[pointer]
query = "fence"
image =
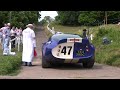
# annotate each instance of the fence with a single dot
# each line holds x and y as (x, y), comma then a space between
(18, 42)
(51, 30)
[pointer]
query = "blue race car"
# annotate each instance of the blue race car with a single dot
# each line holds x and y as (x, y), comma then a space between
(68, 48)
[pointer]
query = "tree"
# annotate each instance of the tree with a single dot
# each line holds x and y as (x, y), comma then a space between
(42, 22)
(87, 17)
(91, 17)
(19, 18)
(4, 17)
(48, 19)
(67, 17)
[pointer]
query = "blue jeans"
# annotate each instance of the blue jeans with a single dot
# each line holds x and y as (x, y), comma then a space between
(6, 45)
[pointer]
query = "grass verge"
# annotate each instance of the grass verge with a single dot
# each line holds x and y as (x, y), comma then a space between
(10, 65)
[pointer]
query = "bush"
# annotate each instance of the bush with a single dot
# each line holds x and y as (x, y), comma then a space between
(102, 32)
(10, 64)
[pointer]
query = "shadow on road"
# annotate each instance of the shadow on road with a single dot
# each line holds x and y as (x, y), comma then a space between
(75, 67)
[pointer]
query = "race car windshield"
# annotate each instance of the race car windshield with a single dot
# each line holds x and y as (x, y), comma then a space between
(64, 36)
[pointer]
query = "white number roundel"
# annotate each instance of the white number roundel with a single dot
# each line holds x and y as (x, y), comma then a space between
(63, 51)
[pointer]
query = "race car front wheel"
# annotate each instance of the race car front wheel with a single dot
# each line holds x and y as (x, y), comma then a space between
(89, 64)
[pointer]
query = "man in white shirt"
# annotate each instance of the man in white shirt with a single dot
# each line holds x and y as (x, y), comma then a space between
(29, 44)
(3, 30)
(6, 39)
(13, 34)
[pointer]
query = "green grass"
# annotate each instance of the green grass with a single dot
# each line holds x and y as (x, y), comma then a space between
(74, 29)
(10, 65)
(67, 29)
(106, 54)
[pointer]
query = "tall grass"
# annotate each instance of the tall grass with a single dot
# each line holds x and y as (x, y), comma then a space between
(67, 29)
(108, 54)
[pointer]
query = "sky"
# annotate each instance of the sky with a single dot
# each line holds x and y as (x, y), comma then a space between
(52, 14)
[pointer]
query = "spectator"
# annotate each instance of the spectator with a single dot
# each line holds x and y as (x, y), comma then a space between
(17, 35)
(16, 30)
(29, 44)
(3, 29)
(84, 33)
(20, 30)
(13, 34)
(1, 36)
(6, 40)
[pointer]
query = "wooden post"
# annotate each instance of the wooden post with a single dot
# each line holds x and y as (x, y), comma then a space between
(91, 37)
(18, 44)
(9, 47)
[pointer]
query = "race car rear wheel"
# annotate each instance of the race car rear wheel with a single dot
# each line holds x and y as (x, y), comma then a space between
(89, 64)
(45, 64)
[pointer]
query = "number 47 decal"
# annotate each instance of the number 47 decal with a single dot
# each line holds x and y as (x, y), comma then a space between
(64, 50)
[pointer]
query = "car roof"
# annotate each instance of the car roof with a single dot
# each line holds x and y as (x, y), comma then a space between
(59, 37)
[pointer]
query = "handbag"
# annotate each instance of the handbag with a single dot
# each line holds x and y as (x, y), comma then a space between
(35, 53)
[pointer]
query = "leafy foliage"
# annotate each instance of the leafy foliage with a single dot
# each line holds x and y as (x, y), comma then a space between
(88, 18)
(67, 17)
(19, 18)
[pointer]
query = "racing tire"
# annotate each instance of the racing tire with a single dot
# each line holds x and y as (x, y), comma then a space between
(45, 64)
(89, 64)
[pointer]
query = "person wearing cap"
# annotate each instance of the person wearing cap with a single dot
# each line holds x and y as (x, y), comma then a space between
(6, 36)
(84, 33)
(29, 44)
(3, 30)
